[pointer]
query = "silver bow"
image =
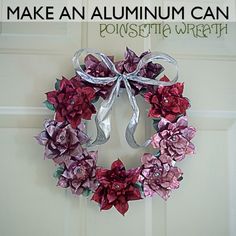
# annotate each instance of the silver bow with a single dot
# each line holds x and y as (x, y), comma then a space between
(102, 119)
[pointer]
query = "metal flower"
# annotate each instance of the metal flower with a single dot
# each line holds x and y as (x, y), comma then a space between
(97, 68)
(100, 90)
(129, 64)
(61, 141)
(167, 101)
(80, 174)
(72, 103)
(158, 178)
(117, 187)
(174, 139)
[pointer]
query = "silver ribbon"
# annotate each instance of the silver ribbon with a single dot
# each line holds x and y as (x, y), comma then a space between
(102, 119)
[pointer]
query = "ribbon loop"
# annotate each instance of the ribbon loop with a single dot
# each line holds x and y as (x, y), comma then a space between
(102, 118)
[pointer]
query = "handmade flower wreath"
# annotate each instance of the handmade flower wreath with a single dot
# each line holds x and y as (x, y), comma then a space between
(66, 142)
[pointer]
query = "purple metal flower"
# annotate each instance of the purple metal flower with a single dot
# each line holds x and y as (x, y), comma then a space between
(174, 139)
(158, 178)
(61, 141)
(129, 64)
(80, 173)
(96, 68)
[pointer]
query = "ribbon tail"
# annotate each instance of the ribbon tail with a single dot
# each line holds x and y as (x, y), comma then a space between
(131, 128)
(102, 119)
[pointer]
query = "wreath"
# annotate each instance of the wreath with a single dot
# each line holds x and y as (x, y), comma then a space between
(73, 101)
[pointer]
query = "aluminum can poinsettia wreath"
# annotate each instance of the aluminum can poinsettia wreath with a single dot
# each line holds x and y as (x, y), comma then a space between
(73, 101)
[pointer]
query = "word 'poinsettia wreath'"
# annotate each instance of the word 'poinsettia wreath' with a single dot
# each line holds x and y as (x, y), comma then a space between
(73, 101)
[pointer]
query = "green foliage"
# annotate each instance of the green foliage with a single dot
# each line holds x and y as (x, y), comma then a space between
(59, 171)
(86, 192)
(57, 84)
(155, 123)
(49, 105)
(139, 186)
(95, 99)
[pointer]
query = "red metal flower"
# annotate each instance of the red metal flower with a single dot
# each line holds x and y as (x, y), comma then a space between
(167, 101)
(101, 90)
(117, 187)
(72, 102)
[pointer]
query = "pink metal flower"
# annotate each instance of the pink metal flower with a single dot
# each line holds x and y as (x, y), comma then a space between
(61, 141)
(80, 173)
(174, 139)
(158, 178)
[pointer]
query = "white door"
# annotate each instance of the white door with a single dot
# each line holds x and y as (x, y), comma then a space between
(33, 55)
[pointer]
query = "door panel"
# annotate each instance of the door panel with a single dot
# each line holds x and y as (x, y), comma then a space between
(32, 204)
